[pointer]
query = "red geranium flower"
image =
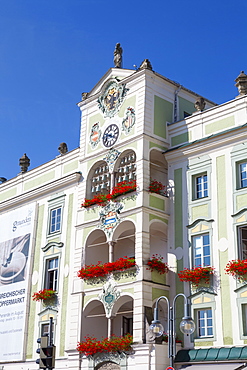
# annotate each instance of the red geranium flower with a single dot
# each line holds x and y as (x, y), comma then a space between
(91, 345)
(237, 268)
(44, 294)
(155, 263)
(157, 187)
(98, 270)
(121, 188)
(196, 274)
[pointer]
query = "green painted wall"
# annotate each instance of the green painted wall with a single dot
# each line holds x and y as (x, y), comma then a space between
(162, 113)
(204, 344)
(156, 202)
(130, 102)
(8, 194)
(72, 166)
(178, 207)
(241, 201)
(95, 118)
(222, 124)
(221, 194)
(154, 217)
(182, 138)
(178, 237)
(223, 256)
(156, 293)
(32, 314)
(48, 176)
(185, 106)
(67, 247)
(199, 212)
(154, 145)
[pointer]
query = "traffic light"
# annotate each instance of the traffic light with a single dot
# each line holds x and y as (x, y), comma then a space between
(46, 354)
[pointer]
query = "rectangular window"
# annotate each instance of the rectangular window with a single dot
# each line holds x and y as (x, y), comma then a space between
(127, 325)
(201, 186)
(244, 318)
(201, 250)
(55, 220)
(205, 323)
(243, 174)
(51, 277)
(242, 242)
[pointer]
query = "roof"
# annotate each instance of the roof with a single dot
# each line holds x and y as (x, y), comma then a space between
(206, 138)
(212, 354)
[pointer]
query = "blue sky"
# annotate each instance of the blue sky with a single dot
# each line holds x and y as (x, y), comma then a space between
(52, 51)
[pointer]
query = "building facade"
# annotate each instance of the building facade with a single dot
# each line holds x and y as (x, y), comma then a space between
(160, 174)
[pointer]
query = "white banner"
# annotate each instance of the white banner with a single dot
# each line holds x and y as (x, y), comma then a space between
(16, 239)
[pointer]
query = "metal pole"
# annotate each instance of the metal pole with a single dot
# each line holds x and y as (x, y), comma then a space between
(171, 335)
(186, 313)
(50, 332)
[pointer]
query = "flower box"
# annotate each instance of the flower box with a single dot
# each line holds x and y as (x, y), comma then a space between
(115, 344)
(121, 188)
(157, 187)
(101, 270)
(196, 275)
(44, 295)
(156, 264)
(237, 269)
(165, 338)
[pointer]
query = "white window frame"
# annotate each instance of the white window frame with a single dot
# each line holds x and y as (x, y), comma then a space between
(203, 191)
(57, 220)
(56, 202)
(242, 242)
(207, 321)
(51, 271)
(101, 180)
(199, 246)
(242, 175)
(244, 318)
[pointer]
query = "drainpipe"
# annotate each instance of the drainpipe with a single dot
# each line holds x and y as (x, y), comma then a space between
(175, 113)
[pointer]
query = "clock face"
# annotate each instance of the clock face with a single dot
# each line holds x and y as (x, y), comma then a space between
(110, 135)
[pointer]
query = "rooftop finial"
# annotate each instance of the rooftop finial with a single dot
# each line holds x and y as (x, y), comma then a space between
(118, 56)
(146, 65)
(63, 148)
(241, 83)
(24, 163)
(200, 104)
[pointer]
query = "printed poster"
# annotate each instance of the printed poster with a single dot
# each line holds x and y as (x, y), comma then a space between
(16, 238)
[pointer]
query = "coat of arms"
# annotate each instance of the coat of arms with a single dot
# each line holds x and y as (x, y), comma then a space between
(95, 135)
(113, 96)
(109, 217)
(129, 120)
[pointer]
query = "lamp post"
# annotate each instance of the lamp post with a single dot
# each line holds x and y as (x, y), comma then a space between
(187, 325)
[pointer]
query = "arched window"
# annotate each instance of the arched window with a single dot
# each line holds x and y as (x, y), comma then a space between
(126, 167)
(100, 179)
(158, 168)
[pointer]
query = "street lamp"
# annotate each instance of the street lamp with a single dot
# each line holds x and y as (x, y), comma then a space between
(187, 325)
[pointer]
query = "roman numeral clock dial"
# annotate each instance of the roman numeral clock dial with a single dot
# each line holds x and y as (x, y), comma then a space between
(110, 135)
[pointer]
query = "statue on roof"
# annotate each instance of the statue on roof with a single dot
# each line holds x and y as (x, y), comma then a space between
(118, 56)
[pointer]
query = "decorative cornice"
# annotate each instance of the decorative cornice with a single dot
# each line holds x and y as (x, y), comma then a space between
(243, 210)
(40, 191)
(52, 244)
(198, 221)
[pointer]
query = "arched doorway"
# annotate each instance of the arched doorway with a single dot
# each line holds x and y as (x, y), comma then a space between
(107, 366)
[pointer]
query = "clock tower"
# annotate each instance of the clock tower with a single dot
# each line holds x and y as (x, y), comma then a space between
(125, 199)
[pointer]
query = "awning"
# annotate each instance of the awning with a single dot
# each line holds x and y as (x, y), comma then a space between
(220, 358)
(213, 366)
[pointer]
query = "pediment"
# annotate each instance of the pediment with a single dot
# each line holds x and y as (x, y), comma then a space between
(113, 74)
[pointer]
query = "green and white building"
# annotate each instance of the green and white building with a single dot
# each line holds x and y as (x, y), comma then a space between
(135, 126)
